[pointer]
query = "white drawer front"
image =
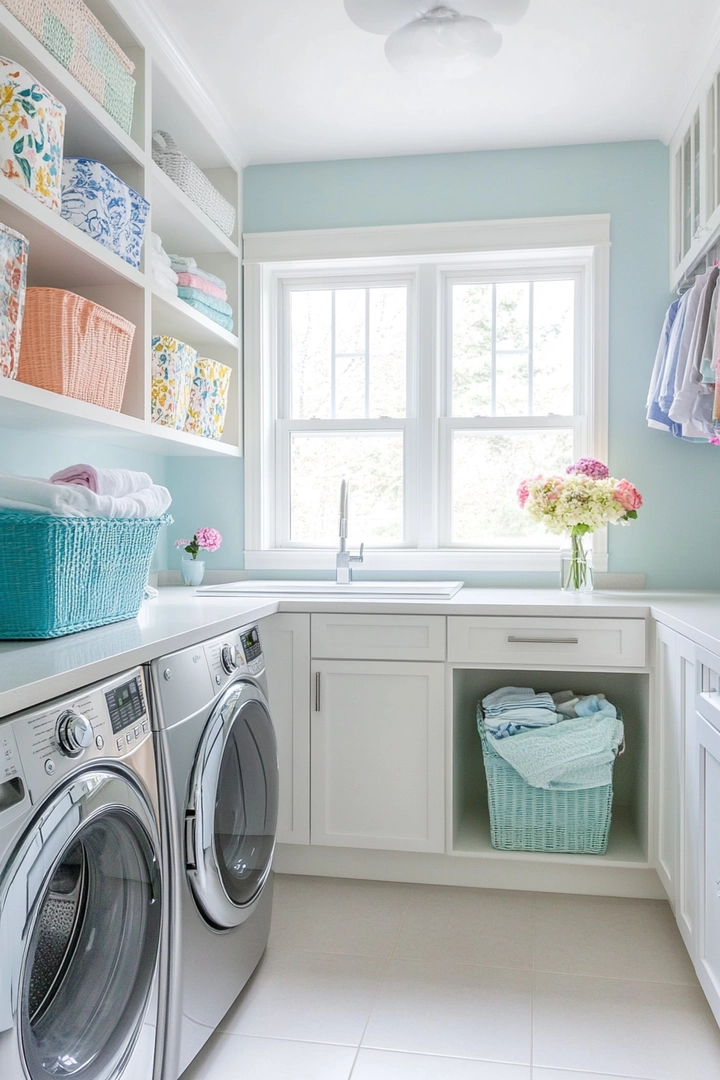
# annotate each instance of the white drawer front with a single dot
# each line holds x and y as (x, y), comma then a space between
(595, 643)
(378, 637)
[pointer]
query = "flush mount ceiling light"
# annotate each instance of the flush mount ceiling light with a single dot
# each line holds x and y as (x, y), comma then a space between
(436, 41)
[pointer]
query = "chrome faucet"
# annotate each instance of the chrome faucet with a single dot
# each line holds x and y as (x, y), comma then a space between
(343, 559)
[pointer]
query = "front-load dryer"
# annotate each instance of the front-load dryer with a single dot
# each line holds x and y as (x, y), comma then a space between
(80, 888)
(217, 757)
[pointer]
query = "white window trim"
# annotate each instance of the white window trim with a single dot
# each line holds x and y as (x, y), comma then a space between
(582, 240)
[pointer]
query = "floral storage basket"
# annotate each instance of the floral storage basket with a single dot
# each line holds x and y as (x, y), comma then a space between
(59, 575)
(102, 205)
(69, 30)
(173, 367)
(13, 258)
(208, 399)
(32, 130)
(192, 180)
(75, 347)
(526, 818)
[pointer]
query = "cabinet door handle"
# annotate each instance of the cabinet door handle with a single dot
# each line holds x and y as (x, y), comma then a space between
(543, 640)
(317, 691)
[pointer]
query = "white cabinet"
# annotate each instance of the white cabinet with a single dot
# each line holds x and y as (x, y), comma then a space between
(378, 637)
(286, 644)
(377, 760)
(686, 667)
(708, 937)
(695, 177)
(511, 641)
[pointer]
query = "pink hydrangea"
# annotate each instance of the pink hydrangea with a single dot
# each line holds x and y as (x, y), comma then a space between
(208, 539)
(628, 495)
(590, 467)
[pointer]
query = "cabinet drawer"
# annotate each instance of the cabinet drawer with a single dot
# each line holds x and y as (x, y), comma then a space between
(378, 637)
(547, 642)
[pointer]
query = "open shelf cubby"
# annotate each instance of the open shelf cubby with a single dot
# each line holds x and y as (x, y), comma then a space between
(628, 843)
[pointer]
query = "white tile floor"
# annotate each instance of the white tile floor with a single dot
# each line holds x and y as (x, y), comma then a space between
(379, 981)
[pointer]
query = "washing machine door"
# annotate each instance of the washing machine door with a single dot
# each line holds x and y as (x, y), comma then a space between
(80, 911)
(232, 814)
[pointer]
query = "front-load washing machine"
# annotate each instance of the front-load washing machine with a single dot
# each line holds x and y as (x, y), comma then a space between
(80, 888)
(217, 756)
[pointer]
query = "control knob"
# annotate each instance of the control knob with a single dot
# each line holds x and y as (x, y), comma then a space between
(74, 733)
(228, 659)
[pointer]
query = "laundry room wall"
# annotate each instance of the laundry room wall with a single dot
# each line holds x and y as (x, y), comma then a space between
(670, 542)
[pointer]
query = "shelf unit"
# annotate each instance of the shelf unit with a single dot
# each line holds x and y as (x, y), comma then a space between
(61, 256)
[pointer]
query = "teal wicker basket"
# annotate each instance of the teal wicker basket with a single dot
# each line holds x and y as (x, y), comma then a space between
(526, 818)
(59, 575)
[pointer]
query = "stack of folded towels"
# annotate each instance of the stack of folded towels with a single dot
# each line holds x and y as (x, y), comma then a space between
(162, 271)
(83, 491)
(561, 741)
(204, 292)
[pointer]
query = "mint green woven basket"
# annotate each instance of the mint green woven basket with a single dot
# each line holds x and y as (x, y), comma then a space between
(526, 818)
(59, 575)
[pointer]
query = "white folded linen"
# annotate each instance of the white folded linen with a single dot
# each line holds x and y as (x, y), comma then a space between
(164, 273)
(115, 482)
(35, 496)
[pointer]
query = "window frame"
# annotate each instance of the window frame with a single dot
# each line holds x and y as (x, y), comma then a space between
(527, 249)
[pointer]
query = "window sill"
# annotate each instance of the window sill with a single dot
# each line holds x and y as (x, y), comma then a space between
(403, 560)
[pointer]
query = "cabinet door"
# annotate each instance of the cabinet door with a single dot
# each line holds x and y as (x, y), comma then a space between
(378, 752)
(669, 764)
(286, 644)
(708, 937)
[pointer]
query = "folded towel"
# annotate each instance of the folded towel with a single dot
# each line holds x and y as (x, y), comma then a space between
(201, 284)
(203, 298)
(570, 756)
(210, 313)
(156, 242)
(36, 496)
(163, 272)
(210, 278)
(182, 262)
(115, 482)
(161, 260)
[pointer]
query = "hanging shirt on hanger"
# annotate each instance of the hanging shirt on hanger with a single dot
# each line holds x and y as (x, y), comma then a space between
(688, 378)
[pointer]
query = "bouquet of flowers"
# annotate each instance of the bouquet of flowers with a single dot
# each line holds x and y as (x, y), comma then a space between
(585, 499)
(205, 539)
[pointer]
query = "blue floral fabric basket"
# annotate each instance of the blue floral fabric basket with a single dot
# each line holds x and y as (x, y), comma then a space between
(104, 207)
(59, 575)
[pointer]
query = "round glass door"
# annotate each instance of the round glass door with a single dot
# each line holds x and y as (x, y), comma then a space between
(91, 956)
(246, 803)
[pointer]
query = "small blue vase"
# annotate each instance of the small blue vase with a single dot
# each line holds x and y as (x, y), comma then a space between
(193, 571)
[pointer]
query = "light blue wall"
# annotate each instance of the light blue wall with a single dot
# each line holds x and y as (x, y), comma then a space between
(673, 542)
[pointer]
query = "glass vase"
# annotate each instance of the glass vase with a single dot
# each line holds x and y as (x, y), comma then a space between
(576, 572)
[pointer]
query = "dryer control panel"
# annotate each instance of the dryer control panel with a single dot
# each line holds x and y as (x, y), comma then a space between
(108, 720)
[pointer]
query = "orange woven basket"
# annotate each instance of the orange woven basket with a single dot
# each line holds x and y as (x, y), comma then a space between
(75, 347)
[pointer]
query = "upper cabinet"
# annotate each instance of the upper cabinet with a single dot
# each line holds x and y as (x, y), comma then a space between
(695, 179)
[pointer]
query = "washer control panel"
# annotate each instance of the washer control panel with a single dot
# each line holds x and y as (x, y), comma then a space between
(252, 650)
(239, 652)
(109, 720)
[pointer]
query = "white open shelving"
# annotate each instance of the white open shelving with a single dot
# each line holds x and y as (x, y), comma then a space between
(61, 256)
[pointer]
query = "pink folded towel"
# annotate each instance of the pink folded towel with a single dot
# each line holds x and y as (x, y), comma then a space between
(193, 281)
(114, 482)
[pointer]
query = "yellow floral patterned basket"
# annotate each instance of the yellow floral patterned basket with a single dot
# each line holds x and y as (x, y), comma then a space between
(208, 398)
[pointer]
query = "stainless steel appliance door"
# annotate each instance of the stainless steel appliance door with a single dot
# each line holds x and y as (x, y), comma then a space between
(80, 919)
(231, 820)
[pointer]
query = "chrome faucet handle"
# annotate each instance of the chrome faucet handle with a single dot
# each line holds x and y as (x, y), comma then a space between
(359, 556)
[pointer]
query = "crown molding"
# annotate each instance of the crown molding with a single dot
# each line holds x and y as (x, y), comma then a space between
(179, 66)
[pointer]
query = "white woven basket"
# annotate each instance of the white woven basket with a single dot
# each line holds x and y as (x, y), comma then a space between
(192, 180)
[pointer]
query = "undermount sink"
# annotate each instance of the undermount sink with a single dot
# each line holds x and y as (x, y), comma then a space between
(361, 590)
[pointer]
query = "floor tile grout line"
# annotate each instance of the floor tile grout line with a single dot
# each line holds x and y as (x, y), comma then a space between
(382, 977)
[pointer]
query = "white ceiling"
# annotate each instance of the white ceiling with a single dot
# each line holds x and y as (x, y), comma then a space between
(303, 83)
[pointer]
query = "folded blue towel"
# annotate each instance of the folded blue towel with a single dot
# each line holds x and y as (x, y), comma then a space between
(192, 295)
(225, 321)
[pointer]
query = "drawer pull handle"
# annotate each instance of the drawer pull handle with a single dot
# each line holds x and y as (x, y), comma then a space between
(543, 640)
(317, 691)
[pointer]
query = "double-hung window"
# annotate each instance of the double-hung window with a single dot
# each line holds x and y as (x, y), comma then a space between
(433, 383)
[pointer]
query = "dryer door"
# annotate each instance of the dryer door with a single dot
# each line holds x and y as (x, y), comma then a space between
(232, 815)
(80, 919)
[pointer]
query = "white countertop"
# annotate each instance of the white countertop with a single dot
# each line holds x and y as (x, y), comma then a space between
(32, 672)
